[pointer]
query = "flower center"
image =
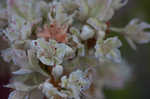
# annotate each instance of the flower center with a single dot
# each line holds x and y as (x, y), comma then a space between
(54, 31)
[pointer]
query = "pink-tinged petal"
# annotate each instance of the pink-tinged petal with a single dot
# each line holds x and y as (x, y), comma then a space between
(54, 31)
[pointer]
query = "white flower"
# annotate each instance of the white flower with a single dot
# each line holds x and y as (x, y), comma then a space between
(109, 8)
(28, 63)
(26, 82)
(50, 38)
(50, 91)
(135, 32)
(25, 85)
(76, 82)
(101, 9)
(57, 13)
(75, 38)
(50, 53)
(35, 94)
(108, 49)
(45, 51)
(56, 7)
(22, 16)
(87, 32)
(28, 10)
(21, 86)
(19, 57)
(97, 24)
(17, 29)
(34, 63)
(114, 75)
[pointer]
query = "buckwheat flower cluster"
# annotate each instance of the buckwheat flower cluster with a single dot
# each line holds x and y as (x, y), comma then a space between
(60, 49)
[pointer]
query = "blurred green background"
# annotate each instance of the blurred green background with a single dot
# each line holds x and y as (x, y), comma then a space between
(139, 60)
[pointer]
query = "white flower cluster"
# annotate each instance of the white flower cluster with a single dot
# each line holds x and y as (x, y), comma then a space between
(53, 41)
(70, 87)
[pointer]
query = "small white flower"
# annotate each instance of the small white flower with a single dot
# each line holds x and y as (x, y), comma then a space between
(87, 32)
(34, 63)
(101, 9)
(135, 32)
(22, 16)
(75, 38)
(50, 91)
(76, 82)
(28, 10)
(35, 94)
(16, 25)
(28, 63)
(108, 49)
(56, 7)
(109, 7)
(19, 57)
(57, 13)
(50, 53)
(45, 51)
(21, 86)
(115, 75)
(97, 24)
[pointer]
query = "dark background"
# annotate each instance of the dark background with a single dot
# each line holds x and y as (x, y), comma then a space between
(139, 60)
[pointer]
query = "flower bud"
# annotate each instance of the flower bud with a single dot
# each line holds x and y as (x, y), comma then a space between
(87, 32)
(57, 71)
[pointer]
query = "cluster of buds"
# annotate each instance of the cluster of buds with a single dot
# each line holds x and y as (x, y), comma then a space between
(60, 48)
